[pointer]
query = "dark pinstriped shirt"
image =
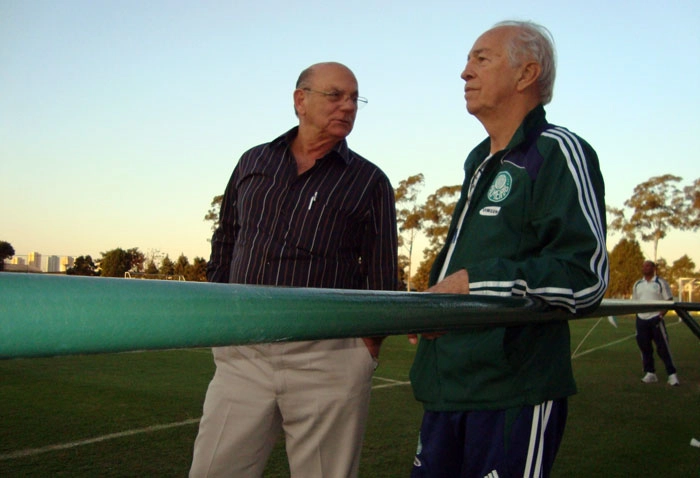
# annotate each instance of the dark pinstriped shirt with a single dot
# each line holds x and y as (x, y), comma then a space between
(334, 226)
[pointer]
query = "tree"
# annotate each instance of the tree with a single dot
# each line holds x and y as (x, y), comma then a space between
(6, 252)
(197, 271)
(692, 196)
(167, 267)
(151, 267)
(409, 220)
(436, 214)
(181, 266)
(657, 206)
(137, 259)
(683, 267)
(625, 262)
(662, 267)
(116, 262)
(82, 266)
(213, 212)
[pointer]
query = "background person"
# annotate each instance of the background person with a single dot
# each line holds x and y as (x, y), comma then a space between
(530, 221)
(305, 211)
(651, 326)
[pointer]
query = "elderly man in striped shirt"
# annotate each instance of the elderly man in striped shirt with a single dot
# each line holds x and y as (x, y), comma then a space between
(303, 210)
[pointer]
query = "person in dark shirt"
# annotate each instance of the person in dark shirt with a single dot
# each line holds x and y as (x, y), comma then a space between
(305, 211)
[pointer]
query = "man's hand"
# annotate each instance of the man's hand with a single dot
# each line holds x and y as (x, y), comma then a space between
(455, 283)
(413, 338)
(373, 344)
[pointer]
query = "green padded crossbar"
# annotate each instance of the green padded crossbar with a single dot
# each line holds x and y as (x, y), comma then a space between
(46, 315)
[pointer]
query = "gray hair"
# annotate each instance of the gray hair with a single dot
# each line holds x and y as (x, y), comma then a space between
(533, 41)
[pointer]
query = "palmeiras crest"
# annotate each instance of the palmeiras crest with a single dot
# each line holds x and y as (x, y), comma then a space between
(501, 186)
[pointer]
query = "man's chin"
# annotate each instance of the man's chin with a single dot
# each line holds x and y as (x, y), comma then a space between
(341, 130)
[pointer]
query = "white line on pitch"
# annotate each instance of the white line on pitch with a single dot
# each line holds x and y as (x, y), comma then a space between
(388, 380)
(73, 444)
(65, 446)
(613, 343)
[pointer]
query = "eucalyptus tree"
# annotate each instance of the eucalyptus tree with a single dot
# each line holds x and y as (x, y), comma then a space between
(657, 207)
(437, 214)
(409, 219)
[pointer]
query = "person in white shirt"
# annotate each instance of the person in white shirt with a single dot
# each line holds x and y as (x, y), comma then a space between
(651, 326)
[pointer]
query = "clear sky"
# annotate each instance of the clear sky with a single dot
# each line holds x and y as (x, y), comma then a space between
(121, 120)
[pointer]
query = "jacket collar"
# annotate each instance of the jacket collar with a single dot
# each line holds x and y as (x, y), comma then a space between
(533, 123)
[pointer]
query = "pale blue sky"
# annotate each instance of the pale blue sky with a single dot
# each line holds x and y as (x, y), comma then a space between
(121, 120)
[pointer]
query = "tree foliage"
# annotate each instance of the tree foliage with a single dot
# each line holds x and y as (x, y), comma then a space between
(151, 267)
(213, 212)
(82, 266)
(657, 206)
(181, 265)
(6, 252)
(436, 215)
(167, 267)
(625, 260)
(682, 268)
(180, 269)
(409, 219)
(197, 271)
(117, 262)
(692, 197)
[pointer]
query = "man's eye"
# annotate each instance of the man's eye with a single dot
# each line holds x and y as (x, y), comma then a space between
(335, 95)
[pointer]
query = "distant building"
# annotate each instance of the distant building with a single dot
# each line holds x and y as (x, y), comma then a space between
(19, 264)
(54, 264)
(66, 262)
(34, 259)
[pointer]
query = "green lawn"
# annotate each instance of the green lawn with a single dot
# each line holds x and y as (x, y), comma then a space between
(135, 414)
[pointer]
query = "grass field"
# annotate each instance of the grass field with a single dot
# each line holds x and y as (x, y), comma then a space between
(135, 414)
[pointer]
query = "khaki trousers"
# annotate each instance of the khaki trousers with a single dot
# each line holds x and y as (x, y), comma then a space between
(316, 392)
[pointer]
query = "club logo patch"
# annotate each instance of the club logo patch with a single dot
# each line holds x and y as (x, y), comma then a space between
(501, 186)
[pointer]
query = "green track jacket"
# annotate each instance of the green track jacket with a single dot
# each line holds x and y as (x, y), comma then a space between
(534, 225)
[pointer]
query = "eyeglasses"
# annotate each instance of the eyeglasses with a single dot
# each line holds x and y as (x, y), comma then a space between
(339, 96)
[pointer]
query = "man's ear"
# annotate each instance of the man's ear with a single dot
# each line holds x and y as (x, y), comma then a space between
(299, 101)
(529, 73)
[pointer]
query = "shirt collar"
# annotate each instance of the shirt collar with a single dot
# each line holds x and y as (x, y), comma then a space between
(339, 150)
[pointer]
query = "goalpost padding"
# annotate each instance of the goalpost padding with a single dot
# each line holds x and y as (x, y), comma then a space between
(47, 315)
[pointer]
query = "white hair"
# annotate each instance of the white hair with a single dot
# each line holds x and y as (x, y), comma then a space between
(535, 42)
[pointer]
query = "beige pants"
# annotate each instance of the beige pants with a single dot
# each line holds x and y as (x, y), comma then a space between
(316, 392)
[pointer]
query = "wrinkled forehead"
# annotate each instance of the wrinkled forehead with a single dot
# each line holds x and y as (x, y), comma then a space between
(492, 41)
